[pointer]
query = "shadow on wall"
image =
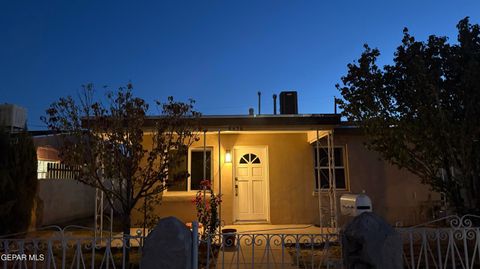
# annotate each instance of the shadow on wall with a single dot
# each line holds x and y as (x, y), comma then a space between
(61, 200)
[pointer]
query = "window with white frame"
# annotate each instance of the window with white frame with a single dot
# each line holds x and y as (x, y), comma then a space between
(187, 173)
(322, 167)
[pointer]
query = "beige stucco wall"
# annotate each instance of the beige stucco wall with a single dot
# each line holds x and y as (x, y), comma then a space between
(61, 200)
(396, 194)
(290, 177)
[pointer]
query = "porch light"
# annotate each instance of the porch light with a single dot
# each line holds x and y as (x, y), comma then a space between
(228, 156)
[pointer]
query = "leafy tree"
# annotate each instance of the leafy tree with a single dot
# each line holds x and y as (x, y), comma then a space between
(107, 143)
(18, 181)
(422, 112)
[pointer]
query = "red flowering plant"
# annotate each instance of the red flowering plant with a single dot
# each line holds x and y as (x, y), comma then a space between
(206, 204)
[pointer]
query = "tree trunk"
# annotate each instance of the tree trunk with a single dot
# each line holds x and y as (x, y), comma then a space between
(474, 191)
(469, 192)
(454, 195)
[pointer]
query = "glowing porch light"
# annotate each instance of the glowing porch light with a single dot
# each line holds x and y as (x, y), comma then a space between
(228, 156)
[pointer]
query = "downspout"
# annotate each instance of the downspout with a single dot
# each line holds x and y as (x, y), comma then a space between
(219, 180)
(204, 171)
(317, 165)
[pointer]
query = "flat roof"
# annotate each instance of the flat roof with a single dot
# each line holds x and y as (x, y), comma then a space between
(263, 122)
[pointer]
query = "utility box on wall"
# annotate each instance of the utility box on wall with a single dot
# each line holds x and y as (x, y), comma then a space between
(288, 102)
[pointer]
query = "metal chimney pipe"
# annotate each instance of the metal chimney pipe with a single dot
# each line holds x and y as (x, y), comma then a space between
(259, 98)
(335, 105)
(274, 104)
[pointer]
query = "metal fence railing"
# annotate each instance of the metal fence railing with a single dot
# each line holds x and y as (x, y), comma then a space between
(61, 248)
(269, 251)
(449, 242)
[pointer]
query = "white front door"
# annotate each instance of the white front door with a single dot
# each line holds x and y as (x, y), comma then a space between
(251, 183)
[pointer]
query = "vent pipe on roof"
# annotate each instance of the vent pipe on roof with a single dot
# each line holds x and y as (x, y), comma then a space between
(274, 104)
(250, 111)
(259, 99)
(335, 103)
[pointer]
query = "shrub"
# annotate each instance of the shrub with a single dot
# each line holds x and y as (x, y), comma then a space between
(18, 181)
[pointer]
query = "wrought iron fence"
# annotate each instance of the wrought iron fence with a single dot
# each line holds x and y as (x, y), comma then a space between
(230, 250)
(64, 248)
(449, 242)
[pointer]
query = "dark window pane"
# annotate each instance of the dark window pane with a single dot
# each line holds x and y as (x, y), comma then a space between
(243, 160)
(340, 181)
(323, 153)
(197, 169)
(256, 160)
(324, 181)
(324, 178)
(338, 152)
(177, 171)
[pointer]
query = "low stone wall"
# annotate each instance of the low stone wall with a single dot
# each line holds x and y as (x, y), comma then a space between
(62, 200)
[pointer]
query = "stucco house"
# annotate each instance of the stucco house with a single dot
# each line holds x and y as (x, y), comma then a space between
(267, 166)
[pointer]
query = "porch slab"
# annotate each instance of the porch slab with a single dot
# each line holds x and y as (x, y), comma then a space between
(280, 229)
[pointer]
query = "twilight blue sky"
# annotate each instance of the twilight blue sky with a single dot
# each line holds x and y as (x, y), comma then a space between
(219, 53)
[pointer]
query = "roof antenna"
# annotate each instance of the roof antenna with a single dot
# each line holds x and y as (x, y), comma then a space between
(274, 104)
(335, 102)
(259, 98)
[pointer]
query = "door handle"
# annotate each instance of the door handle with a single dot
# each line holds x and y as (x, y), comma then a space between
(236, 178)
(236, 190)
